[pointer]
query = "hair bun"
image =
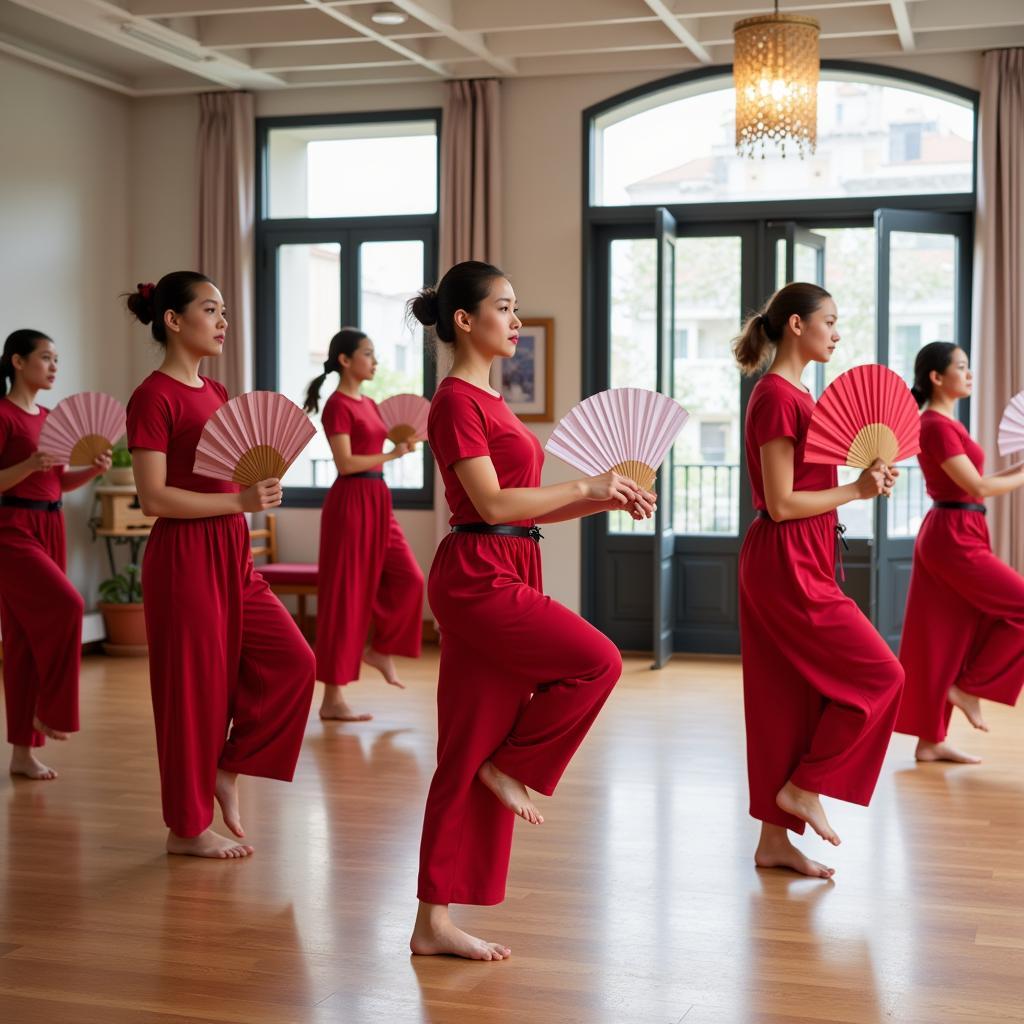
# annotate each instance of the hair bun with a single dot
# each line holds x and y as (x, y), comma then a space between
(424, 307)
(140, 302)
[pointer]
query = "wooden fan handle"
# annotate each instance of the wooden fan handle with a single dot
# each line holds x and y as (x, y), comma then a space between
(639, 472)
(401, 432)
(873, 441)
(87, 449)
(259, 463)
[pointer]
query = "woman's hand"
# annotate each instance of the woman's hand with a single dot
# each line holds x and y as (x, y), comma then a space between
(404, 447)
(40, 462)
(101, 463)
(877, 479)
(619, 493)
(264, 495)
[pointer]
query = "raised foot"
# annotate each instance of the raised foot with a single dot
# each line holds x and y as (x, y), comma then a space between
(53, 734)
(511, 792)
(807, 807)
(969, 705)
(776, 851)
(207, 844)
(25, 763)
(335, 708)
(927, 752)
(226, 792)
(442, 938)
(384, 664)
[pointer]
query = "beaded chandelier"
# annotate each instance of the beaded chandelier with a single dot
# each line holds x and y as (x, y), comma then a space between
(775, 70)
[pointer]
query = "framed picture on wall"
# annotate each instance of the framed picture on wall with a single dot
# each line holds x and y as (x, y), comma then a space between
(525, 380)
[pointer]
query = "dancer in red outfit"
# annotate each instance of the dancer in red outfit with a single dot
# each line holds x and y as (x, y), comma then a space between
(40, 610)
(963, 630)
(820, 686)
(368, 575)
(230, 674)
(522, 678)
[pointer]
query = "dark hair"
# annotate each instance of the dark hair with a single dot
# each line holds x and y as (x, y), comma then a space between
(344, 343)
(935, 356)
(465, 286)
(763, 330)
(149, 302)
(19, 343)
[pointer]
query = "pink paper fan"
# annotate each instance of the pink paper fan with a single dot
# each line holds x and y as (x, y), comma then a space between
(82, 427)
(629, 430)
(253, 437)
(1011, 426)
(405, 416)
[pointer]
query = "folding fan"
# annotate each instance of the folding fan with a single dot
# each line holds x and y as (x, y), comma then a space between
(251, 438)
(865, 414)
(405, 416)
(628, 430)
(82, 427)
(1011, 426)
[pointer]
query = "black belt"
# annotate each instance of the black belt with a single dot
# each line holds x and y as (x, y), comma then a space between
(533, 532)
(841, 545)
(370, 474)
(10, 501)
(964, 506)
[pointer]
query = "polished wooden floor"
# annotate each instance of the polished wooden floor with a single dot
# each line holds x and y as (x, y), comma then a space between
(635, 903)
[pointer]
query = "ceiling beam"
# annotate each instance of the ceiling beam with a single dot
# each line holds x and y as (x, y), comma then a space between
(61, 64)
(901, 16)
(679, 30)
(438, 15)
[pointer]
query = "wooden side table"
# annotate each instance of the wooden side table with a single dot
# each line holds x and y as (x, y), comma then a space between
(120, 521)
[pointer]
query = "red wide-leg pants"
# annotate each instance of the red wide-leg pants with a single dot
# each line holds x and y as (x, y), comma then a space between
(522, 679)
(820, 686)
(41, 621)
(964, 623)
(368, 577)
(230, 673)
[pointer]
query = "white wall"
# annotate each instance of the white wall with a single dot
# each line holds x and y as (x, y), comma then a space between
(64, 236)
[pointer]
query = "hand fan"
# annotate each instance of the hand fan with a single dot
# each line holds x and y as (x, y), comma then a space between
(1011, 426)
(251, 438)
(405, 416)
(865, 414)
(81, 427)
(628, 430)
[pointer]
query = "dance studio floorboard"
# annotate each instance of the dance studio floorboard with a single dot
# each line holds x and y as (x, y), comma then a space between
(635, 903)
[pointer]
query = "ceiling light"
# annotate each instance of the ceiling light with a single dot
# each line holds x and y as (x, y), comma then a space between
(389, 17)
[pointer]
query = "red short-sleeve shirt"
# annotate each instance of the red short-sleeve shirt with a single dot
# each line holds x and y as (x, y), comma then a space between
(778, 408)
(19, 438)
(165, 415)
(941, 439)
(467, 422)
(357, 417)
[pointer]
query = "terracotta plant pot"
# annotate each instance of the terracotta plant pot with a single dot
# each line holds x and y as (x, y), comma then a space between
(125, 625)
(122, 476)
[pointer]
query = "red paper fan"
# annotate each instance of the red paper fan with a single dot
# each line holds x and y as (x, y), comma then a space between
(81, 427)
(865, 414)
(405, 416)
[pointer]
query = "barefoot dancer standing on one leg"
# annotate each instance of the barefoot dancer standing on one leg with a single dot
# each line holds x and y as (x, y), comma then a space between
(820, 685)
(230, 674)
(963, 632)
(40, 610)
(368, 574)
(521, 678)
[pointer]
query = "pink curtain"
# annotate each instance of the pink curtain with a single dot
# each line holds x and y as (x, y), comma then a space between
(226, 212)
(999, 276)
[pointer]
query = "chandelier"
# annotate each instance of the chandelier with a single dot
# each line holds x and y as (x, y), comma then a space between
(775, 71)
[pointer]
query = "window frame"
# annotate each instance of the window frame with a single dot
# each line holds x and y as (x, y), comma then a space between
(350, 232)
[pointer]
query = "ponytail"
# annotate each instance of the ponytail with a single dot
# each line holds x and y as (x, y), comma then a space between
(344, 343)
(756, 344)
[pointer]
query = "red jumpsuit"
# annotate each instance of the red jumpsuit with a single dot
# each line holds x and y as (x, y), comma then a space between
(964, 621)
(368, 574)
(820, 686)
(230, 674)
(522, 678)
(40, 610)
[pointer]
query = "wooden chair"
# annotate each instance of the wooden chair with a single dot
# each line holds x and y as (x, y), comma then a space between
(298, 578)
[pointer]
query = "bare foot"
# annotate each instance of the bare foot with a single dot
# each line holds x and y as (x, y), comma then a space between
(435, 935)
(969, 705)
(207, 844)
(53, 734)
(774, 850)
(384, 665)
(928, 751)
(226, 792)
(512, 793)
(806, 806)
(334, 707)
(24, 762)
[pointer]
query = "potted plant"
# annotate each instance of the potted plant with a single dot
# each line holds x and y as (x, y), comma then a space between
(121, 606)
(120, 472)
